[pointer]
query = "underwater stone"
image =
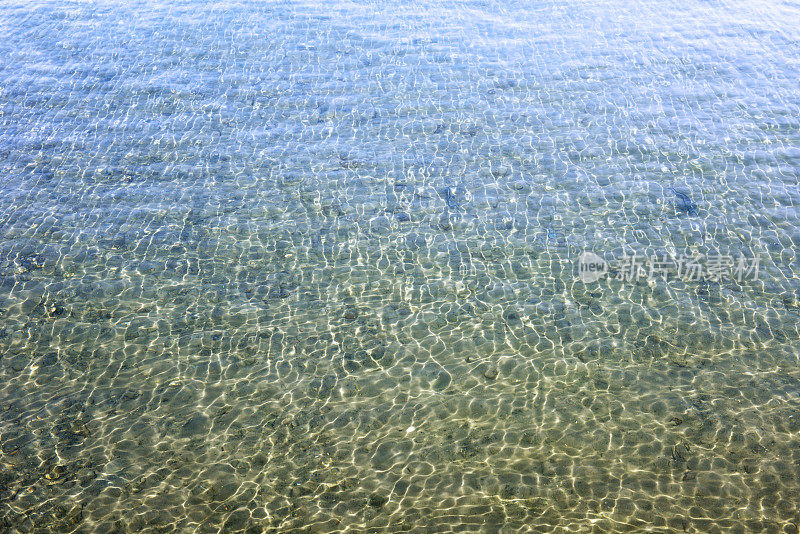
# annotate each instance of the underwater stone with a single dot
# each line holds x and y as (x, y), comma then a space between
(376, 500)
(48, 359)
(684, 203)
(512, 317)
(56, 472)
(491, 372)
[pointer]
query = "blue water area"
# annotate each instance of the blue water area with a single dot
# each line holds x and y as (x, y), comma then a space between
(286, 266)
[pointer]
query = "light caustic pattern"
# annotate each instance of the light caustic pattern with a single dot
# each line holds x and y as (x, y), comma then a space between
(288, 267)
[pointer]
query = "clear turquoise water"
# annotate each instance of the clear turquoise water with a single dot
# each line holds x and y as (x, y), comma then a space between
(311, 267)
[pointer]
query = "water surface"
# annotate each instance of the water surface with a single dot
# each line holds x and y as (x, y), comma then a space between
(300, 266)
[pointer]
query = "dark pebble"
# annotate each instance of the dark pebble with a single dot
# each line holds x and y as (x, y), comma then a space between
(376, 501)
(56, 310)
(56, 472)
(49, 359)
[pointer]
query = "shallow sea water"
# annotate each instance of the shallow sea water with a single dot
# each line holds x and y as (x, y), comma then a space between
(311, 267)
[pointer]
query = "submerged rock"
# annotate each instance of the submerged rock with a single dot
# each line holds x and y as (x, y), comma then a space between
(491, 372)
(684, 203)
(376, 500)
